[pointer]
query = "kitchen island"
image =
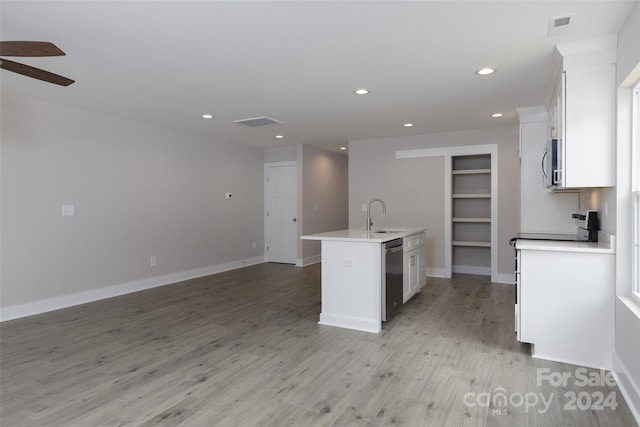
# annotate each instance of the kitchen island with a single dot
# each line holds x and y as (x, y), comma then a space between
(353, 271)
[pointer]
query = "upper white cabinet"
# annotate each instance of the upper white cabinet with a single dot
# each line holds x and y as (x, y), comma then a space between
(583, 118)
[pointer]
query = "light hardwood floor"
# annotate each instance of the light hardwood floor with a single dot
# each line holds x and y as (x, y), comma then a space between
(244, 348)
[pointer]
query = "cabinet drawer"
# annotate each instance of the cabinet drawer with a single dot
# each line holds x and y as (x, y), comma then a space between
(413, 241)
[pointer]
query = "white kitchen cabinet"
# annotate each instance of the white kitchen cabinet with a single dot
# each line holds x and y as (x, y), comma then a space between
(565, 301)
(583, 120)
(414, 265)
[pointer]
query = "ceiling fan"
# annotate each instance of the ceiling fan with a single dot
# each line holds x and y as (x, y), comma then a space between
(31, 49)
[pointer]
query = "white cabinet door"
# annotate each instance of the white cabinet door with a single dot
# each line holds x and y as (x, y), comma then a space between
(409, 272)
(421, 279)
(414, 270)
(567, 306)
(588, 127)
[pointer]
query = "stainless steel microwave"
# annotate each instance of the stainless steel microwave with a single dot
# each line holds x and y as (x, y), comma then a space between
(552, 164)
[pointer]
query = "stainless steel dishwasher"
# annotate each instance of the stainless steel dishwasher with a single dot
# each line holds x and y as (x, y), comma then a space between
(392, 291)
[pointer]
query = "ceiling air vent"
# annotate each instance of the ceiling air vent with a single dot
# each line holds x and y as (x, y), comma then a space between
(257, 121)
(559, 25)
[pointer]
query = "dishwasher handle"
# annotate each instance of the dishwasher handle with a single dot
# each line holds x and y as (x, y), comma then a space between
(394, 249)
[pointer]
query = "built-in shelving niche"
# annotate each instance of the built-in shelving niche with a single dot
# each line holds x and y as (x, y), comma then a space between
(470, 208)
(471, 214)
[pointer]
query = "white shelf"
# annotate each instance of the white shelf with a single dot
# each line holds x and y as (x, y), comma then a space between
(471, 171)
(472, 196)
(470, 243)
(486, 220)
(472, 185)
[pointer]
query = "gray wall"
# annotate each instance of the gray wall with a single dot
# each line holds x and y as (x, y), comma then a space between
(325, 194)
(280, 154)
(413, 189)
(627, 344)
(138, 191)
(541, 210)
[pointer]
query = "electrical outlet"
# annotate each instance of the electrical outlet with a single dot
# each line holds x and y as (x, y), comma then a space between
(152, 261)
(348, 262)
(67, 210)
(253, 245)
(364, 207)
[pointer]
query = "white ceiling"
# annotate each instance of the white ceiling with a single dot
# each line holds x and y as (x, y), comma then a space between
(299, 62)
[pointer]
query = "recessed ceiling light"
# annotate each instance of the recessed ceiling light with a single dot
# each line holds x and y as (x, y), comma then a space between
(496, 115)
(207, 116)
(485, 71)
(362, 91)
(408, 125)
(343, 148)
(279, 136)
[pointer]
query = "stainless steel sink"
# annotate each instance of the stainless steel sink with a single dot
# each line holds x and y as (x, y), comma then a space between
(386, 231)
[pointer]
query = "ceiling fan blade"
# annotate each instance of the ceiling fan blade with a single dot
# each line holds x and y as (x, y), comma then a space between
(36, 73)
(29, 48)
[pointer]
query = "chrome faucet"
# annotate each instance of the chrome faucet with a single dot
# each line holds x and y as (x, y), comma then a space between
(384, 210)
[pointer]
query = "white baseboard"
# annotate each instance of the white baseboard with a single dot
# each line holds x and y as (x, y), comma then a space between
(349, 322)
(462, 269)
(472, 269)
(629, 389)
(437, 272)
(303, 262)
(509, 279)
(56, 303)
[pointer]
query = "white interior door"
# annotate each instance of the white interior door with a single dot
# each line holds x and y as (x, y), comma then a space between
(281, 216)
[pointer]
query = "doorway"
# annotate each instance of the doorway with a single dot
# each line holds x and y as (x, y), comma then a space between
(281, 212)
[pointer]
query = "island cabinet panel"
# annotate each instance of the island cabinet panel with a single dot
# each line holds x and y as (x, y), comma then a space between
(352, 285)
(414, 265)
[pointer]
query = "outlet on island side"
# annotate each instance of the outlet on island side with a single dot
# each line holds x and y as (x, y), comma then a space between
(68, 210)
(348, 262)
(152, 261)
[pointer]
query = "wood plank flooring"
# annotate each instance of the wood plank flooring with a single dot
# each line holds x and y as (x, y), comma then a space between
(243, 348)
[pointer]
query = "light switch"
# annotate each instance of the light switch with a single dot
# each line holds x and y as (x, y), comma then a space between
(364, 207)
(67, 210)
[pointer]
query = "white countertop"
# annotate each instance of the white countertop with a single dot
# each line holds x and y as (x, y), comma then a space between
(361, 235)
(604, 245)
